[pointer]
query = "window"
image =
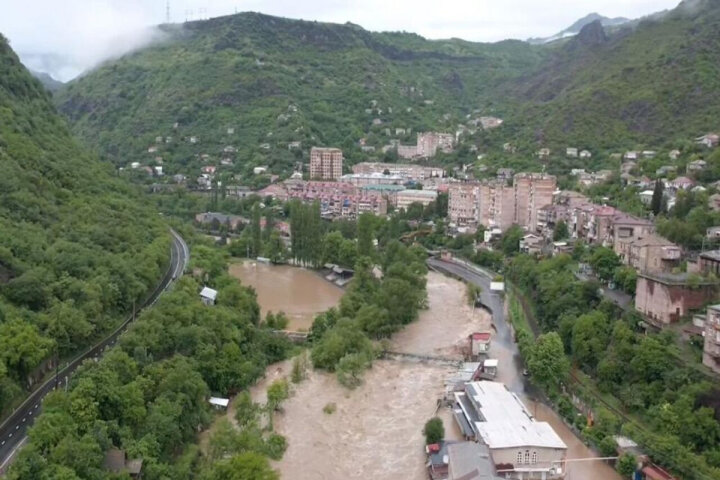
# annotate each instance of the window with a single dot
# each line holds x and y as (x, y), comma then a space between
(527, 457)
(534, 457)
(519, 458)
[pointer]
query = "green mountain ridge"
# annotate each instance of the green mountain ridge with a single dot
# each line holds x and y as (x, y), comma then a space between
(275, 81)
(76, 246)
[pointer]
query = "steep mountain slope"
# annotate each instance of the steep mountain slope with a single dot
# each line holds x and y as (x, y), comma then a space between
(76, 246)
(656, 82)
(47, 80)
(575, 28)
(257, 83)
(276, 81)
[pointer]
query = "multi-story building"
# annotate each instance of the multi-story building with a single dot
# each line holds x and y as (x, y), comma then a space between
(494, 203)
(404, 198)
(520, 446)
(664, 298)
(711, 350)
(653, 254)
(627, 229)
(464, 203)
(497, 205)
(325, 163)
(428, 143)
(408, 171)
(362, 179)
(532, 191)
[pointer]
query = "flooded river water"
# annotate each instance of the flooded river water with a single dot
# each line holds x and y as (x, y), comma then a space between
(375, 430)
(298, 292)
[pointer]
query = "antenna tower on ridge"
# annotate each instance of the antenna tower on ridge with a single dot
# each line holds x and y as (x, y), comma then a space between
(167, 11)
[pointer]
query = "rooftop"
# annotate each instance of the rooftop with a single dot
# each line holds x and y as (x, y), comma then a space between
(209, 293)
(505, 422)
(419, 193)
(470, 461)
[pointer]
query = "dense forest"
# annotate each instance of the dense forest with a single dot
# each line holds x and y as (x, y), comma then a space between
(256, 83)
(148, 395)
(77, 247)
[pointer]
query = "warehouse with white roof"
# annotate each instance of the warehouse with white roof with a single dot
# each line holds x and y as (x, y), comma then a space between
(520, 446)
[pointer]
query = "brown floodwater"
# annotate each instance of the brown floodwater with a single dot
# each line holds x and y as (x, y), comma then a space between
(298, 292)
(376, 429)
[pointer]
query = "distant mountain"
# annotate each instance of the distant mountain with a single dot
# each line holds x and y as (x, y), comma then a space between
(47, 80)
(575, 28)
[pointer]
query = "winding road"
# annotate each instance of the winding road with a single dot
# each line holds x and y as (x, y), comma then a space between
(13, 429)
(503, 343)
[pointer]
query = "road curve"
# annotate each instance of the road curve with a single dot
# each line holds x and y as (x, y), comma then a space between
(13, 429)
(503, 340)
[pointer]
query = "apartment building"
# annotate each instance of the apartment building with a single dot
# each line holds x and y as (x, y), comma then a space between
(428, 143)
(494, 203)
(407, 171)
(532, 191)
(326, 163)
(654, 254)
(664, 298)
(711, 350)
(375, 178)
(464, 203)
(404, 198)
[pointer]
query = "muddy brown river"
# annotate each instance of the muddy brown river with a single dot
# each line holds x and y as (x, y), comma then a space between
(298, 292)
(375, 430)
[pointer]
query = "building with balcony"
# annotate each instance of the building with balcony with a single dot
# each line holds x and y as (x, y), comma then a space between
(405, 198)
(464, 203)
(653, 253)
(326, 163)
(520, 446)
(711, 350)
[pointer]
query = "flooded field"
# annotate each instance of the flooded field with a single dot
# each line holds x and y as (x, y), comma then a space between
(300, 293)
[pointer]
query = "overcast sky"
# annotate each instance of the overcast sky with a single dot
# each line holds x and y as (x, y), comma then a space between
(73, 35)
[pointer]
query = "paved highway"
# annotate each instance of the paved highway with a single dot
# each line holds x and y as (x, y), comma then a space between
(503, 345)
(13, 429)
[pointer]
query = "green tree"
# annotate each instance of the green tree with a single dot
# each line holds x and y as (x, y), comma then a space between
(243, 466)
(510, 241)
(626, 465)
(434, 431)
(590, 338)
(366, 230)
(604, 261)
(256, 231)
(275, 248)
(656, 204)
(350, 368)
(561, 231)
(547, 362)
(277, 392)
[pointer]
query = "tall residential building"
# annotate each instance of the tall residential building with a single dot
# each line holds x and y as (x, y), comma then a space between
(464, 203)
(532, 191)
(325, 163)
(494, 203)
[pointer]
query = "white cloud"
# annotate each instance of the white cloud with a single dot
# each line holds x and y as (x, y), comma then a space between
(81, 33)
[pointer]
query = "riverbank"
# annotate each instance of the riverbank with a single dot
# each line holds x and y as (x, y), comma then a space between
(375, 430)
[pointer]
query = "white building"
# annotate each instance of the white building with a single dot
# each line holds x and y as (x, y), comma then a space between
(208, 296)
(520, 446)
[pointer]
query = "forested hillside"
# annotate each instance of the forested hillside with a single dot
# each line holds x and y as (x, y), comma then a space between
(257, 83)
(646, 85)
(76, 245)
(276, 81)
